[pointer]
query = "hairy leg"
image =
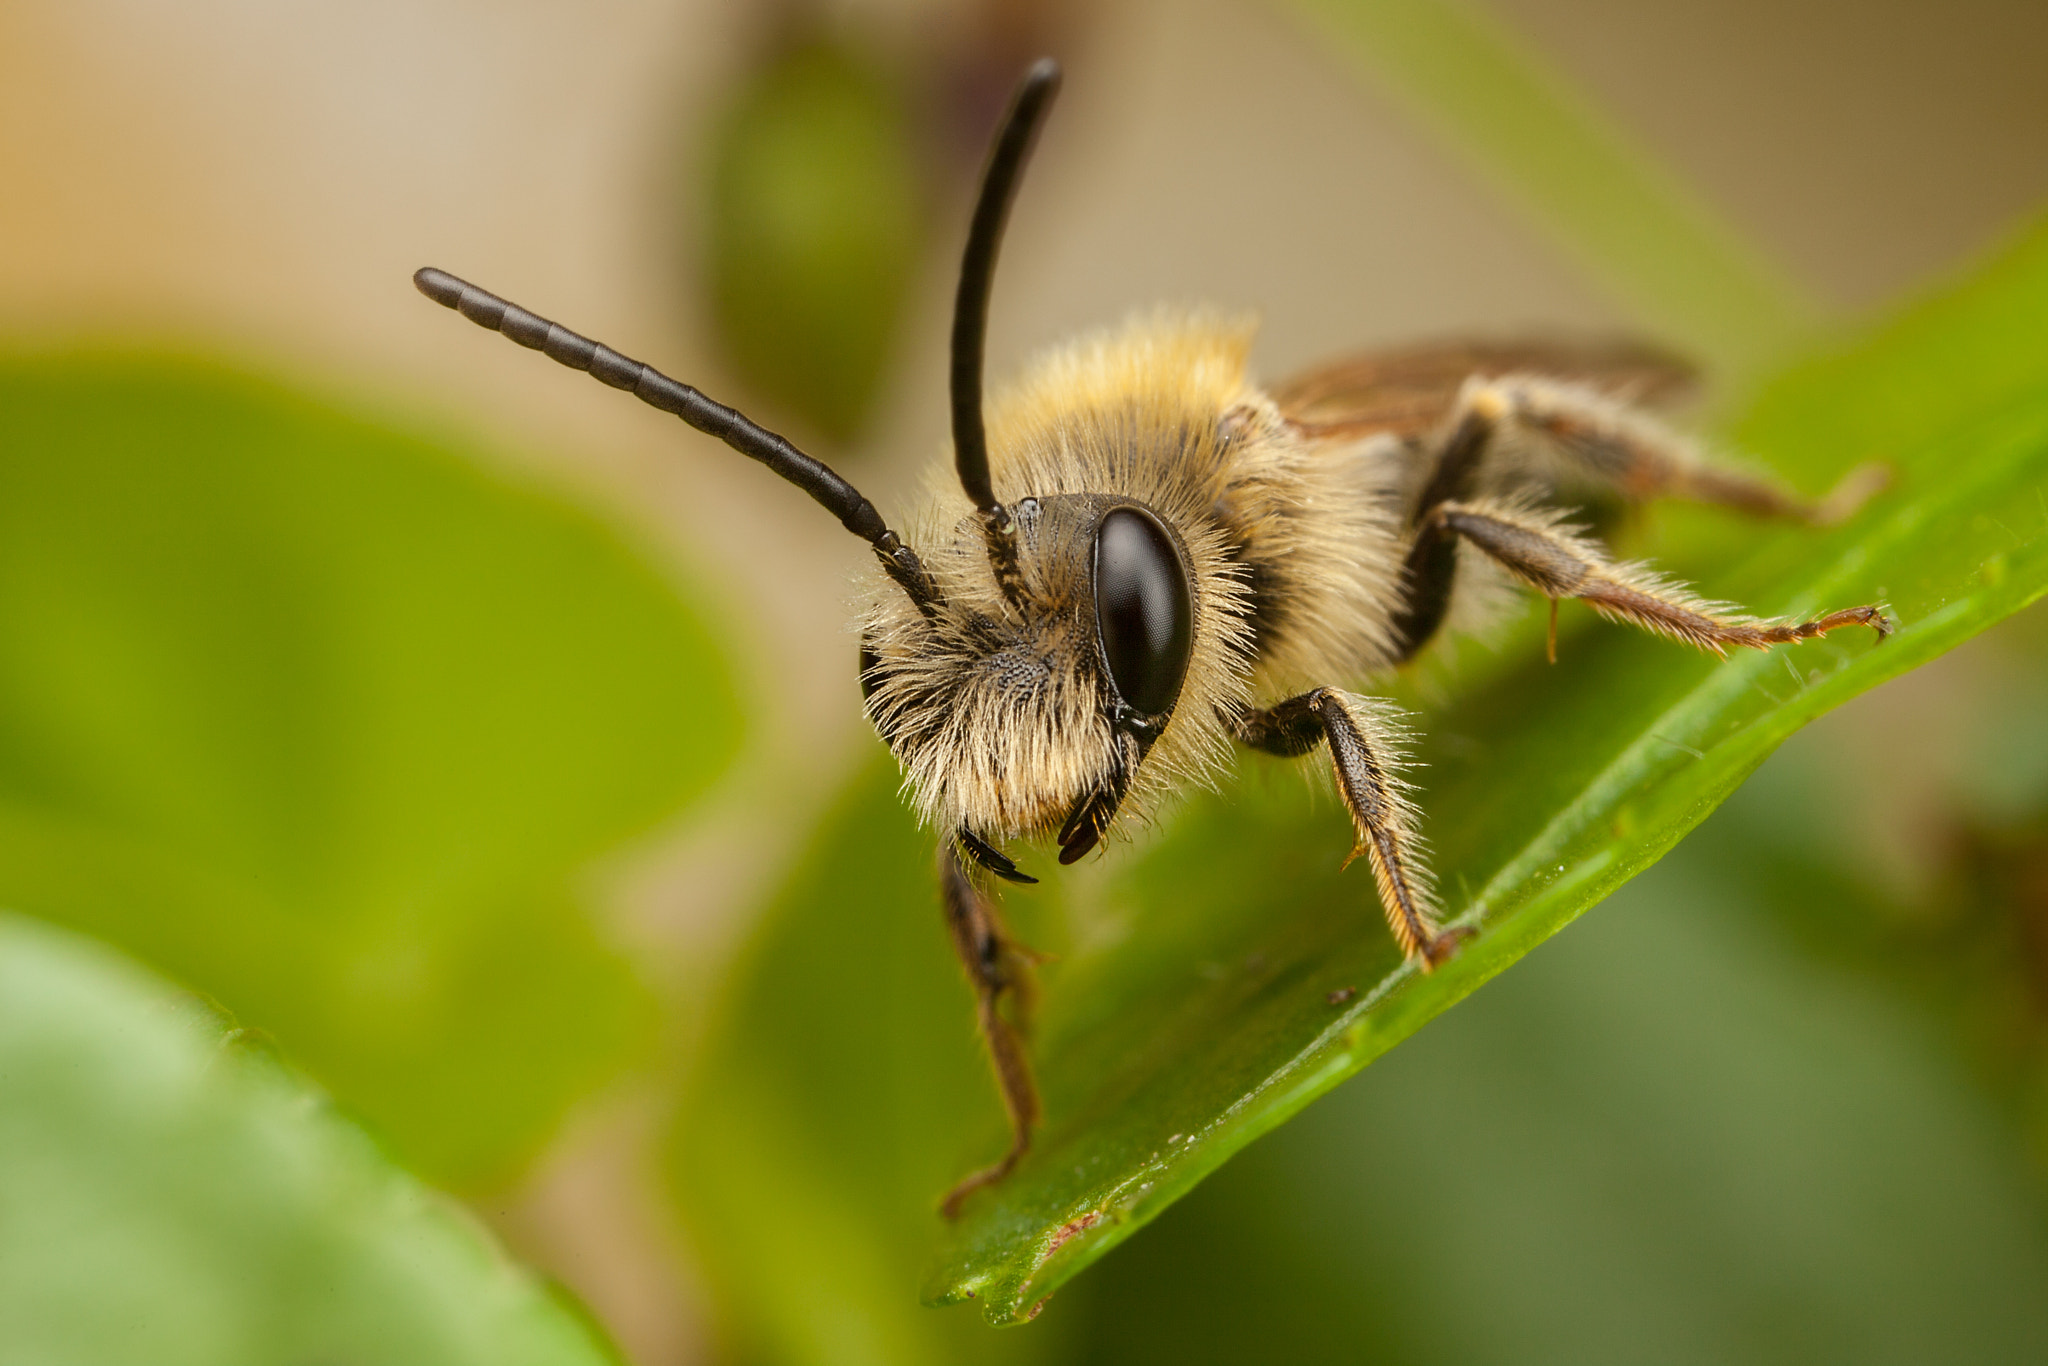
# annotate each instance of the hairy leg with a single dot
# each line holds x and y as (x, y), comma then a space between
(1365, 749)
(998, 968)
(1599, 438)
(1558, 563)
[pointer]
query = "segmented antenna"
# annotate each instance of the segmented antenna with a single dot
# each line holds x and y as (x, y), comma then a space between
(977, 272)
(657, 390)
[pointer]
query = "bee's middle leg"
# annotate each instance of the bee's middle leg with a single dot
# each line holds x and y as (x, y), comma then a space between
(998, 968)
(1558, 563)
(1365, 748)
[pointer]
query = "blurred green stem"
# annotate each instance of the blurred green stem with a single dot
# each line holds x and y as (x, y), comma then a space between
(1631, 223)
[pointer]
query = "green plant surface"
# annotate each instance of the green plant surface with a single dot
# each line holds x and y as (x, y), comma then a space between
(171, 1195)
(1213, 980)
(1672, 1136)
(322, 720)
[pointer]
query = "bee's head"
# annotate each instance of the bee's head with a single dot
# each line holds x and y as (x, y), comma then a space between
(1029, 711)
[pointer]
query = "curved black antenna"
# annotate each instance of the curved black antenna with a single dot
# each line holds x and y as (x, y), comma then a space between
(977, 272)
(655, 389)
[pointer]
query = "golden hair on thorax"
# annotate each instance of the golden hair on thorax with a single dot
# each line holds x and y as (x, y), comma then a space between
(1138, 558)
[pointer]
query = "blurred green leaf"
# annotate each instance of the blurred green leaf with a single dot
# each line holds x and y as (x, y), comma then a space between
(323, 720)
(1967, 353)
(1217, 980)
(1629, 221)
(816, 227)
(167, 1196)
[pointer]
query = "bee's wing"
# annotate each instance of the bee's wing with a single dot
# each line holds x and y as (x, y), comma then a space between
(1408, 392)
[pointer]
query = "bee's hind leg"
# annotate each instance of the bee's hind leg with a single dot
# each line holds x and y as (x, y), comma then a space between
(1366, 743)
(998, 968)
(1559, 563)
(1599, 438)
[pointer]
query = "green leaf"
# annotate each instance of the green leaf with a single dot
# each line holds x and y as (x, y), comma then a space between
(169, 1196)
(324, 721)
(816, 226)
(1671, 1136)
(1213, 981)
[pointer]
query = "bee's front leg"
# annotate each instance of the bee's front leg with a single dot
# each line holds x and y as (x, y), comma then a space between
(998, 968)
(1366, 743)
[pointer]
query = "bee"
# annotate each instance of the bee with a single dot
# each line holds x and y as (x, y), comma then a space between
(1138, 559)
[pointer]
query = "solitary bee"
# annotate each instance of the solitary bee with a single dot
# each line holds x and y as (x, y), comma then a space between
(1139, 558)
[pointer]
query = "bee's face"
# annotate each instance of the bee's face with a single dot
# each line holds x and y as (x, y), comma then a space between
(1026, 711)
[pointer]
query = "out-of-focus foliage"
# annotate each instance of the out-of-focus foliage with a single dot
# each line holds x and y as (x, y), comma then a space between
(1951, 910)
(1632, 224)
(323, 721)
(171, 1196)
(815, 231)
(1202, 999)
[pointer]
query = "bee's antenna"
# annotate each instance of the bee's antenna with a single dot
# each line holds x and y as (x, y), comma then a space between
(651, 387)
(977, 271)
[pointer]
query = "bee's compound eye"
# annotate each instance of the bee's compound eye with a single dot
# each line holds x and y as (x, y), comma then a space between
(1144, 610)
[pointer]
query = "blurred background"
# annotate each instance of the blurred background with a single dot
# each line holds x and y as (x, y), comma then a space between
(449, 720)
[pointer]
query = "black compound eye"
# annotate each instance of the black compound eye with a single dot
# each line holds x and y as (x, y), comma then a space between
(1144, 611)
